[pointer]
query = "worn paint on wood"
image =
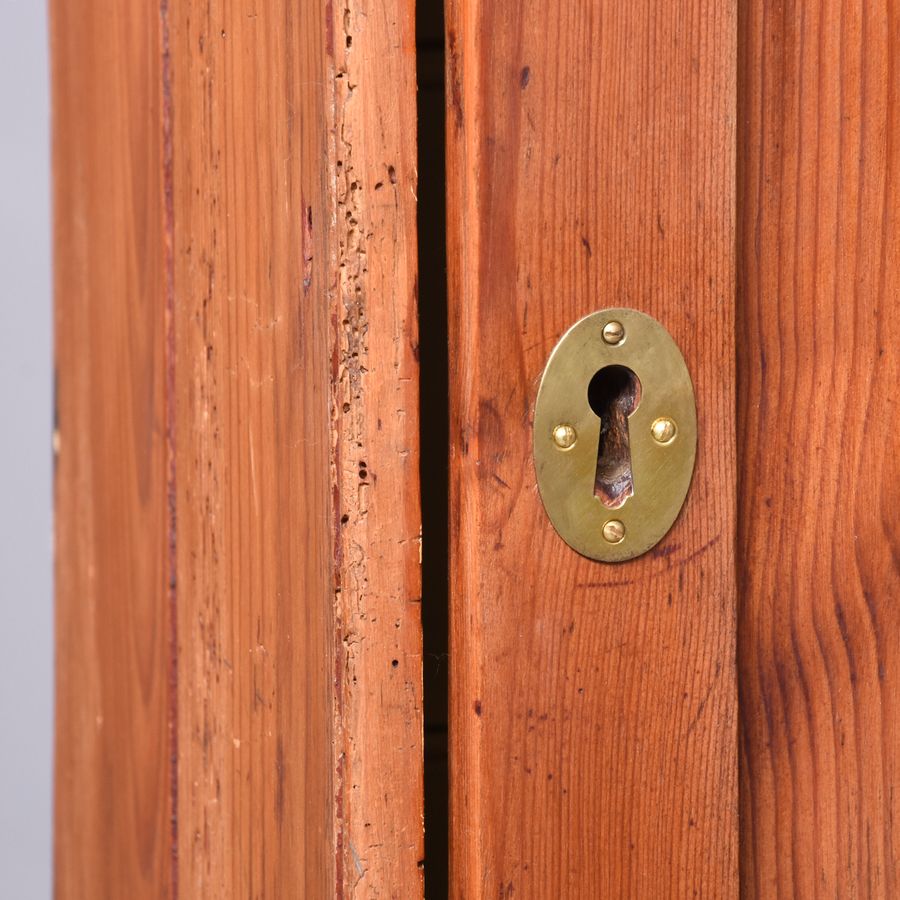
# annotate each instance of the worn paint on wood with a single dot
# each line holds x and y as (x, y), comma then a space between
(818, 331)
(593, 707)
(239, 674)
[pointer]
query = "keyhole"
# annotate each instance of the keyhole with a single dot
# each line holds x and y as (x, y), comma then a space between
(614, 394)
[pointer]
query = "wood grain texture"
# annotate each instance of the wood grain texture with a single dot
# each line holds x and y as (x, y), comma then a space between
(255, 533)
(300, 705)
(113, 777)
(238, 506)
(372, 151)
(593, 707)
(819, 534)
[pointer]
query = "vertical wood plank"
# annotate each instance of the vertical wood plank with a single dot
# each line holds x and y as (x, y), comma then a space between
(238, 445)
(113, 803)
(375, 372)
(297, 431)
(255, 540)
(593, 708)
(818, 371)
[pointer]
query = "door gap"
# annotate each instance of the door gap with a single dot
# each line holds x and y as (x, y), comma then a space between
(434, 419)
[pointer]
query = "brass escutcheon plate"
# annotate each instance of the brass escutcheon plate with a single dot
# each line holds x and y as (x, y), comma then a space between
(661, 436)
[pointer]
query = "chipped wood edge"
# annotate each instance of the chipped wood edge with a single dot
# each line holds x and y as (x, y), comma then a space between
(378, 721)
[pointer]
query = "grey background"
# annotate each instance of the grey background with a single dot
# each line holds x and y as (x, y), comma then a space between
(26, 610)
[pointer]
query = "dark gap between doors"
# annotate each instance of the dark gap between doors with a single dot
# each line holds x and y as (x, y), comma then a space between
(434, 437)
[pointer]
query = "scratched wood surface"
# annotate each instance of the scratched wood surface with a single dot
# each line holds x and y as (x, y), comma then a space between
(593, 707)
(375, 376)
(239, 673)
(819, 533)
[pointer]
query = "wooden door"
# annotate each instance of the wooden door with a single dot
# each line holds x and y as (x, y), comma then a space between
(731, 169)
(237, 513)
(592, 164)
(257, 412)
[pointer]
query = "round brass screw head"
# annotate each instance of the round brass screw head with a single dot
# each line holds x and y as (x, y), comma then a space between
(564, 436)
(614, 531)
(663, 430)
(613, 333)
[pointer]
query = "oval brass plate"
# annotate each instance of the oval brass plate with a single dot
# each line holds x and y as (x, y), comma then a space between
(653, 471)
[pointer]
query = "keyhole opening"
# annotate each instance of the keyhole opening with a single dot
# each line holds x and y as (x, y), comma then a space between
(614, 393)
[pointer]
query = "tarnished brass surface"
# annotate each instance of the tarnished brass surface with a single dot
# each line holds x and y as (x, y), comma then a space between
(661, 471)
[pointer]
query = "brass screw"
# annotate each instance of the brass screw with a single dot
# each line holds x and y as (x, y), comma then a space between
(613, 333)
(614, 531)
(663, 430)
(564, 436)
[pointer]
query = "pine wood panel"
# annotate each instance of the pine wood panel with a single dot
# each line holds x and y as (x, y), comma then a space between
(295, 243)
(255, 528)
(375, 375)
(593, 707)
(239, 531)
(114, 782)
(818, 372)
